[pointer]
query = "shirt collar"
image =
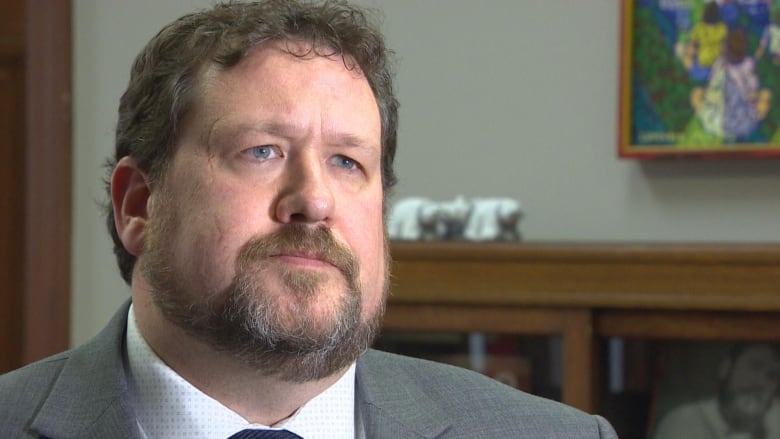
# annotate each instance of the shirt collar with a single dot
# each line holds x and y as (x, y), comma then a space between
(169, 406)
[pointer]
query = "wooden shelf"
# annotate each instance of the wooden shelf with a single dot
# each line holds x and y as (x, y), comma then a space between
(585, 291)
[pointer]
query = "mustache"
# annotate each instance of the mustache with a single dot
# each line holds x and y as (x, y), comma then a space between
(299, 239)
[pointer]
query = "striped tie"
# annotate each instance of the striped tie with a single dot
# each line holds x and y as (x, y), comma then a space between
(265, 434)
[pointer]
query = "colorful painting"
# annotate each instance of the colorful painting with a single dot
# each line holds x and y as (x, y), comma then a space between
(700, 78)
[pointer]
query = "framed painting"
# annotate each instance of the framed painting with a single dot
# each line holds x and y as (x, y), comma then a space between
(699, 78)
(716, 389)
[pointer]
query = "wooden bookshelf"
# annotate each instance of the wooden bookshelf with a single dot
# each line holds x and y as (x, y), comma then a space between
(586, 291)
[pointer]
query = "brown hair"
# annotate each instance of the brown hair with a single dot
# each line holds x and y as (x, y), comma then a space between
(711, 13)
(165, 75)
(736, 46)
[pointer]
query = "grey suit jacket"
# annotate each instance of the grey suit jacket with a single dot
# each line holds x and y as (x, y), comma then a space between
(83, 394)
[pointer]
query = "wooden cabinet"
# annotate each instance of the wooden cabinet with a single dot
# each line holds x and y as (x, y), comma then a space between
(35, 179)
(584, 292)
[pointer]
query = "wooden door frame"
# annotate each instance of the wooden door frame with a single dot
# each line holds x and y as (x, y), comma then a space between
(48, 178)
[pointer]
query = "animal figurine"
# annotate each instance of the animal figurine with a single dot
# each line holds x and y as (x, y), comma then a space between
(479, 219)
(493, 219)
(452, 217)
(414, 219)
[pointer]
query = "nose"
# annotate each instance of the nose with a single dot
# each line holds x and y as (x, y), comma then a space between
(306, 196)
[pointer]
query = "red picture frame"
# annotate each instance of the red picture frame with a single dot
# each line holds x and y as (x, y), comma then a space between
(699, 78)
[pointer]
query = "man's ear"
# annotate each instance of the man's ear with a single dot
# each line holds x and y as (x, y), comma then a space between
(129, 196)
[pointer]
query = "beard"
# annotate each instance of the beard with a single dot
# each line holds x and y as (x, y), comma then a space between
(744, 409)
(273, 332)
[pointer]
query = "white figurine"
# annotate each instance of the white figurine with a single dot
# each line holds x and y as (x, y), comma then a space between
(493, 219)
(452, 217)
(480, 219)
(414, 219)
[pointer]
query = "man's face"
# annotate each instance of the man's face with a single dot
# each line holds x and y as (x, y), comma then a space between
(266, 235)
(750, 386)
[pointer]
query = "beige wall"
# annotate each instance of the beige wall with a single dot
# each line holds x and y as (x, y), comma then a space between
(512, 98)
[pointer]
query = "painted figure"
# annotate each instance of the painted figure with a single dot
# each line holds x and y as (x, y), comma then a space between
(732, 104)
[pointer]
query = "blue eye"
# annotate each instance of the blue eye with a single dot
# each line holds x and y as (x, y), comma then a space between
(345, 162)
(261, 152)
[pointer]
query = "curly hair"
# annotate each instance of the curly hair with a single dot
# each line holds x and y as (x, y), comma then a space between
(164, 77)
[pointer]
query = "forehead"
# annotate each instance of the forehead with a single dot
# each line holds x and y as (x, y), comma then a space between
(760, 355)
(294, 81)
(276, 63)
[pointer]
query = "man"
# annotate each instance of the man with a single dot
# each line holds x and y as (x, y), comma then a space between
(254, 153)
(746, 404)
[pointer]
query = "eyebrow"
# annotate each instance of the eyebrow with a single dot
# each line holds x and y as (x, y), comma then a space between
(286, 131)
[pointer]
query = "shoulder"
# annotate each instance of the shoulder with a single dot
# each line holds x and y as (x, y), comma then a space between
(40, 373)
(473, 401)
(455, 386)
(69, 385)
(23, 390)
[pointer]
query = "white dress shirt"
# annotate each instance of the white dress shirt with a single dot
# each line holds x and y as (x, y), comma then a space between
(168, 406)
(702, 420)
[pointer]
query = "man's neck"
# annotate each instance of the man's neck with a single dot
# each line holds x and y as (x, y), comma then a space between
(220, 376)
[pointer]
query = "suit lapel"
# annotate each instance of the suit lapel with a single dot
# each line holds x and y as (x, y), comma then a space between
(391, 404)
(95, 372)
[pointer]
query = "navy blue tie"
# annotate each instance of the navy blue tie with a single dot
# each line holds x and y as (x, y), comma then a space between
(265, 434)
